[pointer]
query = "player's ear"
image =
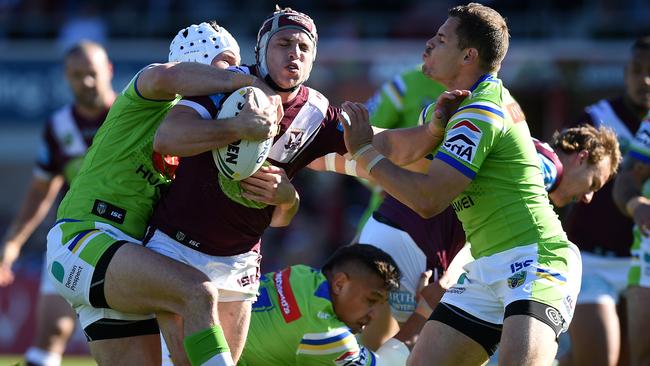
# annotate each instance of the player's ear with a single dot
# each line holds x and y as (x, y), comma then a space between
(583, 155)
(471, 56)
(339, 281)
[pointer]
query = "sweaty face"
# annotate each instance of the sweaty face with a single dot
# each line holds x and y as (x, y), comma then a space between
(637, 78)
(89, 75)
(289, 57)
(226, 59)
(356, 298)
(442, 57)
(580, 181)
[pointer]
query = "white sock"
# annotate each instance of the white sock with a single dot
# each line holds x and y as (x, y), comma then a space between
(221, 359)
(41, 357)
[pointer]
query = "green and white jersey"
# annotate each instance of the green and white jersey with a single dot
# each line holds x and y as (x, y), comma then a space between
(506, 205)
(118, 182)
(293, 323)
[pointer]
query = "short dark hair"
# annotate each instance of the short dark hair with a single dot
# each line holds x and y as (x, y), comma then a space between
(83, 47)
(483, 28)
(370, 258)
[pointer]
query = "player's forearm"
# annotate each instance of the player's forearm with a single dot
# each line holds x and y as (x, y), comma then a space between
(627, 187)
(189, 135)
(164, 81)
(37, 203)
(415, 190)
(283, 214)
(406, 145)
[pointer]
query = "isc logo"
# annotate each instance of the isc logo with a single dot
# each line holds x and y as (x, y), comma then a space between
(518, 266)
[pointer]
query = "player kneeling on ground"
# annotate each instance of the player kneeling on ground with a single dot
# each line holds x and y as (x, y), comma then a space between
(304, 316)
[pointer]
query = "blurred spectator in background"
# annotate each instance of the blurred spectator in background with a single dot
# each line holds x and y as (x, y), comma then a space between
(602, 232)
(67, 135)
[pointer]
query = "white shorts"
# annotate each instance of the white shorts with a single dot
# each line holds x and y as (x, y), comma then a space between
(73, 249)
(237, 277)
(46, 286)
(409, 258)
(550, 276)
(603, 278)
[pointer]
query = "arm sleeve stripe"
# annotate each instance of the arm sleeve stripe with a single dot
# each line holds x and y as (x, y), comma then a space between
(201, 110)
(485, 107)
(481, 116)
(469, 173)
(348, 343)
(313, 338)
(392, 94)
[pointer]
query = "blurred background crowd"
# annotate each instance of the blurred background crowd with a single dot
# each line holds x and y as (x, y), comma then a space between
(563, 56)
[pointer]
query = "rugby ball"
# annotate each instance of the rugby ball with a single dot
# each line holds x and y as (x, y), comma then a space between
(241, 159)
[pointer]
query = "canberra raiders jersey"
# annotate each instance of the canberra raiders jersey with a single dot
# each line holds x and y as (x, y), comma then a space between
(66, 138)
(119, 183)
(293, 323)
(505, 205)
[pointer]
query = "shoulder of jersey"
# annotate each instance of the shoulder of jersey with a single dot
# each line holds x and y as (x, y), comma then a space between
(241, 159)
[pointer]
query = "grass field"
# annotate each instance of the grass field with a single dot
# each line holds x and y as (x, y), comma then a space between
(6, 360)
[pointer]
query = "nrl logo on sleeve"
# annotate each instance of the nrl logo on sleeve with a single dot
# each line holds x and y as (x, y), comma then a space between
(463, 139)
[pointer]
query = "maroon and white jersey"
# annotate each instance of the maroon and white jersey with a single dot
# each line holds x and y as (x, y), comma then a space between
(197, 213)
(66, 138)
(599, 227)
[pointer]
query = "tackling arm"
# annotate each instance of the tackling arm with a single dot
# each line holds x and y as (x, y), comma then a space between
(628, 196)
(165, 81)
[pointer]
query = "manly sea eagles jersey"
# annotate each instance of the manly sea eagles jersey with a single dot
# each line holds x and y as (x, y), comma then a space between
(206, 212)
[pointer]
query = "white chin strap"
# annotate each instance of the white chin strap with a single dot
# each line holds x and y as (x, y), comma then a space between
(201, 43)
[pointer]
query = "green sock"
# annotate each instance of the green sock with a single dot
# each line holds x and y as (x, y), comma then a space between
(205, 344)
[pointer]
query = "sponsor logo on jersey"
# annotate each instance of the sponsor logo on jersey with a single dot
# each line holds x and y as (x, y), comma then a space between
(73, 277)
(462, 140)
(456, 290)
(57, 271)
(462, 203)
(286, 299)
(517, 279)
(517, 266)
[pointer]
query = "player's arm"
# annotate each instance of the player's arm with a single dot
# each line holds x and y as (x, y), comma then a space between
(165, 81)
(404, 146)
(185, 131)
(271, 185)
(39, 199)
(427, 194)
(627, 192)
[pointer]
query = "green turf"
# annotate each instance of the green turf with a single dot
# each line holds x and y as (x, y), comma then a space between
(67, 360)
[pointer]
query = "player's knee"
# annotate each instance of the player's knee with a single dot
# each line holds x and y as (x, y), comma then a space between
(62, 328)
(202, 296)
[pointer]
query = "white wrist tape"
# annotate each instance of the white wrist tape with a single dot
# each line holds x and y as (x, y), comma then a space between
(351, 167)
(330, 162)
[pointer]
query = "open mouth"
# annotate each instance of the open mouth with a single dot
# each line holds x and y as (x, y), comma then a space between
(292, 68)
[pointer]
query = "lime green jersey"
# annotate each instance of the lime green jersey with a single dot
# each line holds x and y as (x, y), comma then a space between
(118, 183)
(293, 323)
(506, 205)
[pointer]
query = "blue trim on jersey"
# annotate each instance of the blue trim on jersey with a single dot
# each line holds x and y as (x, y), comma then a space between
(66, 220)
(424, 113)
(487, 77)
(483, 107)
(78, 237)
(469, 173)
(640, 157)
(323, 291)
(373, 358)
(317, 342)
(217, 99)
(399, 85)
(551, 273)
